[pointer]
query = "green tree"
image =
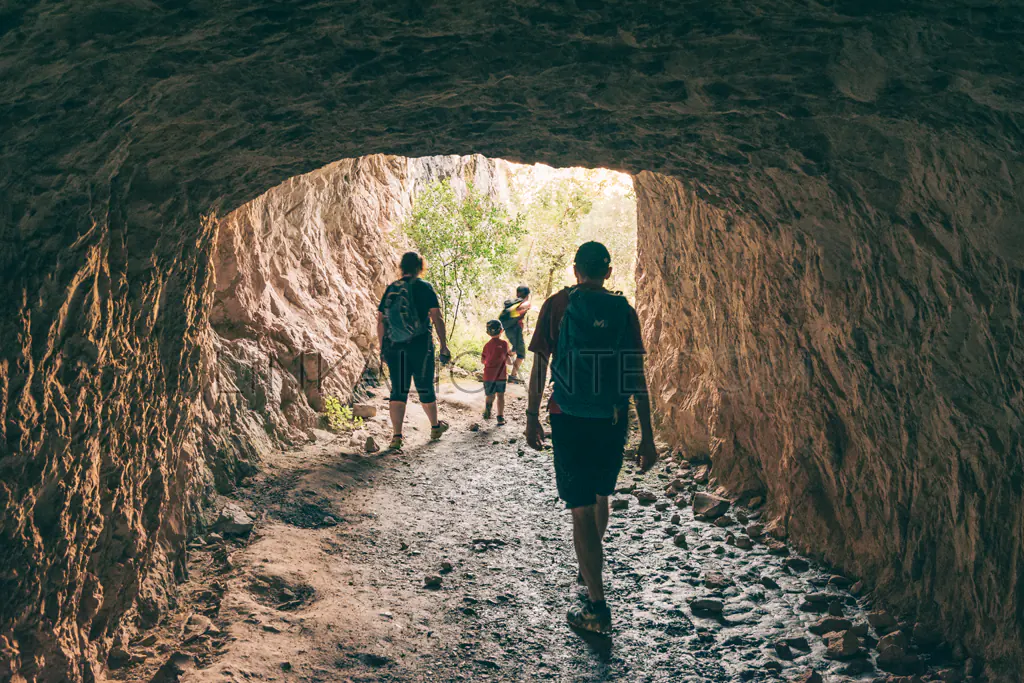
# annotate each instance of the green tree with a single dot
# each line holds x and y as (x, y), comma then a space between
(613, 222)
(553, 219)
(464, 240)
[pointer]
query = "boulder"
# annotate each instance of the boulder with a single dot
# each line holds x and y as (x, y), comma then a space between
(841, 645)
(620, 503)
(809, 676)
(364, 410)
(830, 625)
(709, 506)
(370, 446)
(644, 497)
(881, 621)
(234, 521)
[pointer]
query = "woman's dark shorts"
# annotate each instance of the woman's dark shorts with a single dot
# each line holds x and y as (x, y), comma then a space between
(408, 363)
(588, 457)
(516, 340)
(495, 387)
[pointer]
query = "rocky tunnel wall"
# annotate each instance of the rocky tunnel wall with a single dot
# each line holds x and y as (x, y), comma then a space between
(863, 372)
(854, 166)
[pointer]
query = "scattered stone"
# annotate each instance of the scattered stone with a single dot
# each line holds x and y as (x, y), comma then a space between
(676, 519)
(330, 521)
(881, 621)
(724, 521)
(741, 517)
(195, 627)
(716, 581)
(364, 410)
(841, 645)
(894, 639)
(286, 666)
(709, 506)
(148, 640)
(797, 564)
(776, 547)
(681, 501)
(644, 497)
(474, 427)
(857, 588)
(755, 502)
(830, 625)
(702, 474)
(712, 605)
(214, 538)
(835, 608)
(620, 503)
(839, 581)
(809, 676)
(950, 675)
(755, 530)
(818, 597)
(783, 651)
(680, 540)
(743, 542)
(798, 643)
(768, 582)
(661, 506)
(432, 582)
(234, 521)
(813, 607)
(370, 446)
(446, 566)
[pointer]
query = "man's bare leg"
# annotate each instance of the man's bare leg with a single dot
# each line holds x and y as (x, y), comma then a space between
(589, 552)
(515, 367)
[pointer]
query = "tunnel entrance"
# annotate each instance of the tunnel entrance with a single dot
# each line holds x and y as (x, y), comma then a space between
(299, 272)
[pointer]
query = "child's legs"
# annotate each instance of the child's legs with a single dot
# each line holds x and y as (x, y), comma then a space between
(501, 402)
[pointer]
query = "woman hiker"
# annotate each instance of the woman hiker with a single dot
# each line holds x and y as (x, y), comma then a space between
(404, 317)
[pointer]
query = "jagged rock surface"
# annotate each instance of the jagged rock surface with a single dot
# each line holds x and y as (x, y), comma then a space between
(864, 156)
(299, 273)
(864, 375)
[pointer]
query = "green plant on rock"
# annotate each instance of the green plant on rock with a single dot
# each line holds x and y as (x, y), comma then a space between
(339, 417)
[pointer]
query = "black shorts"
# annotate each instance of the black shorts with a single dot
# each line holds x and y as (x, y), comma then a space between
(408, 363)
(515, 339)
(495, 387)
(588, 457)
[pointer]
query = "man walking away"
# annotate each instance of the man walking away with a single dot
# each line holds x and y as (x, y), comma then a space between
(513, 319)
(404, 317)
(593, 337)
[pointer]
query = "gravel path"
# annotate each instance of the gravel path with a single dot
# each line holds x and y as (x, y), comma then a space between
(330, 586)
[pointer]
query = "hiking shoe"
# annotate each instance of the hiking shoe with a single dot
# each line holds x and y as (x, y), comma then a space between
(437, 431)
(487, 413)
(501, 420)
(587, 618)
(396, 443)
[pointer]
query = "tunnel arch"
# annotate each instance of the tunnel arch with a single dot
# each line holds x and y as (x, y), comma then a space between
(846, 178)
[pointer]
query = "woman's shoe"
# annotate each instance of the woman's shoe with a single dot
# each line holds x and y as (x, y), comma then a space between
(501, 420)
(396, 443)
(437, 430)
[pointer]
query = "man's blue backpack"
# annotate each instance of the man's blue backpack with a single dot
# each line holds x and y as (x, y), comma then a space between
(402, 321)
(592, 367)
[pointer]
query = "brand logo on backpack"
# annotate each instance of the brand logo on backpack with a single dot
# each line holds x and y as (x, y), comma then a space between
(592, 366)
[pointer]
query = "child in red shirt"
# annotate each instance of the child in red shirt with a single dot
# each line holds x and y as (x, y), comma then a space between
(494, 359)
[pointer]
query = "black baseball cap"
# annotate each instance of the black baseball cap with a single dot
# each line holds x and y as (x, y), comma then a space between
(592, 259)
(493, 327)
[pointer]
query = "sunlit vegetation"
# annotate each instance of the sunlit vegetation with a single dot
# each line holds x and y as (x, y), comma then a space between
(480, 248)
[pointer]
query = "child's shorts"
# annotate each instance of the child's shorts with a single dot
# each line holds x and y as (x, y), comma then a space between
(495, 387)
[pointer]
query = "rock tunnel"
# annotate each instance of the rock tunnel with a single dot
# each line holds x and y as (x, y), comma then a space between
(830, 261)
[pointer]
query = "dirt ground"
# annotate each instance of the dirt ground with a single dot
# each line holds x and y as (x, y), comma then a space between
(329, 586)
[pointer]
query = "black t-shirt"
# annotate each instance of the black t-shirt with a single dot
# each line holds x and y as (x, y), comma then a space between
(423, 295)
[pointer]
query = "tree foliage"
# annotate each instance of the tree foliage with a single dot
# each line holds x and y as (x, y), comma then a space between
(465, 240)
(553, 222)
